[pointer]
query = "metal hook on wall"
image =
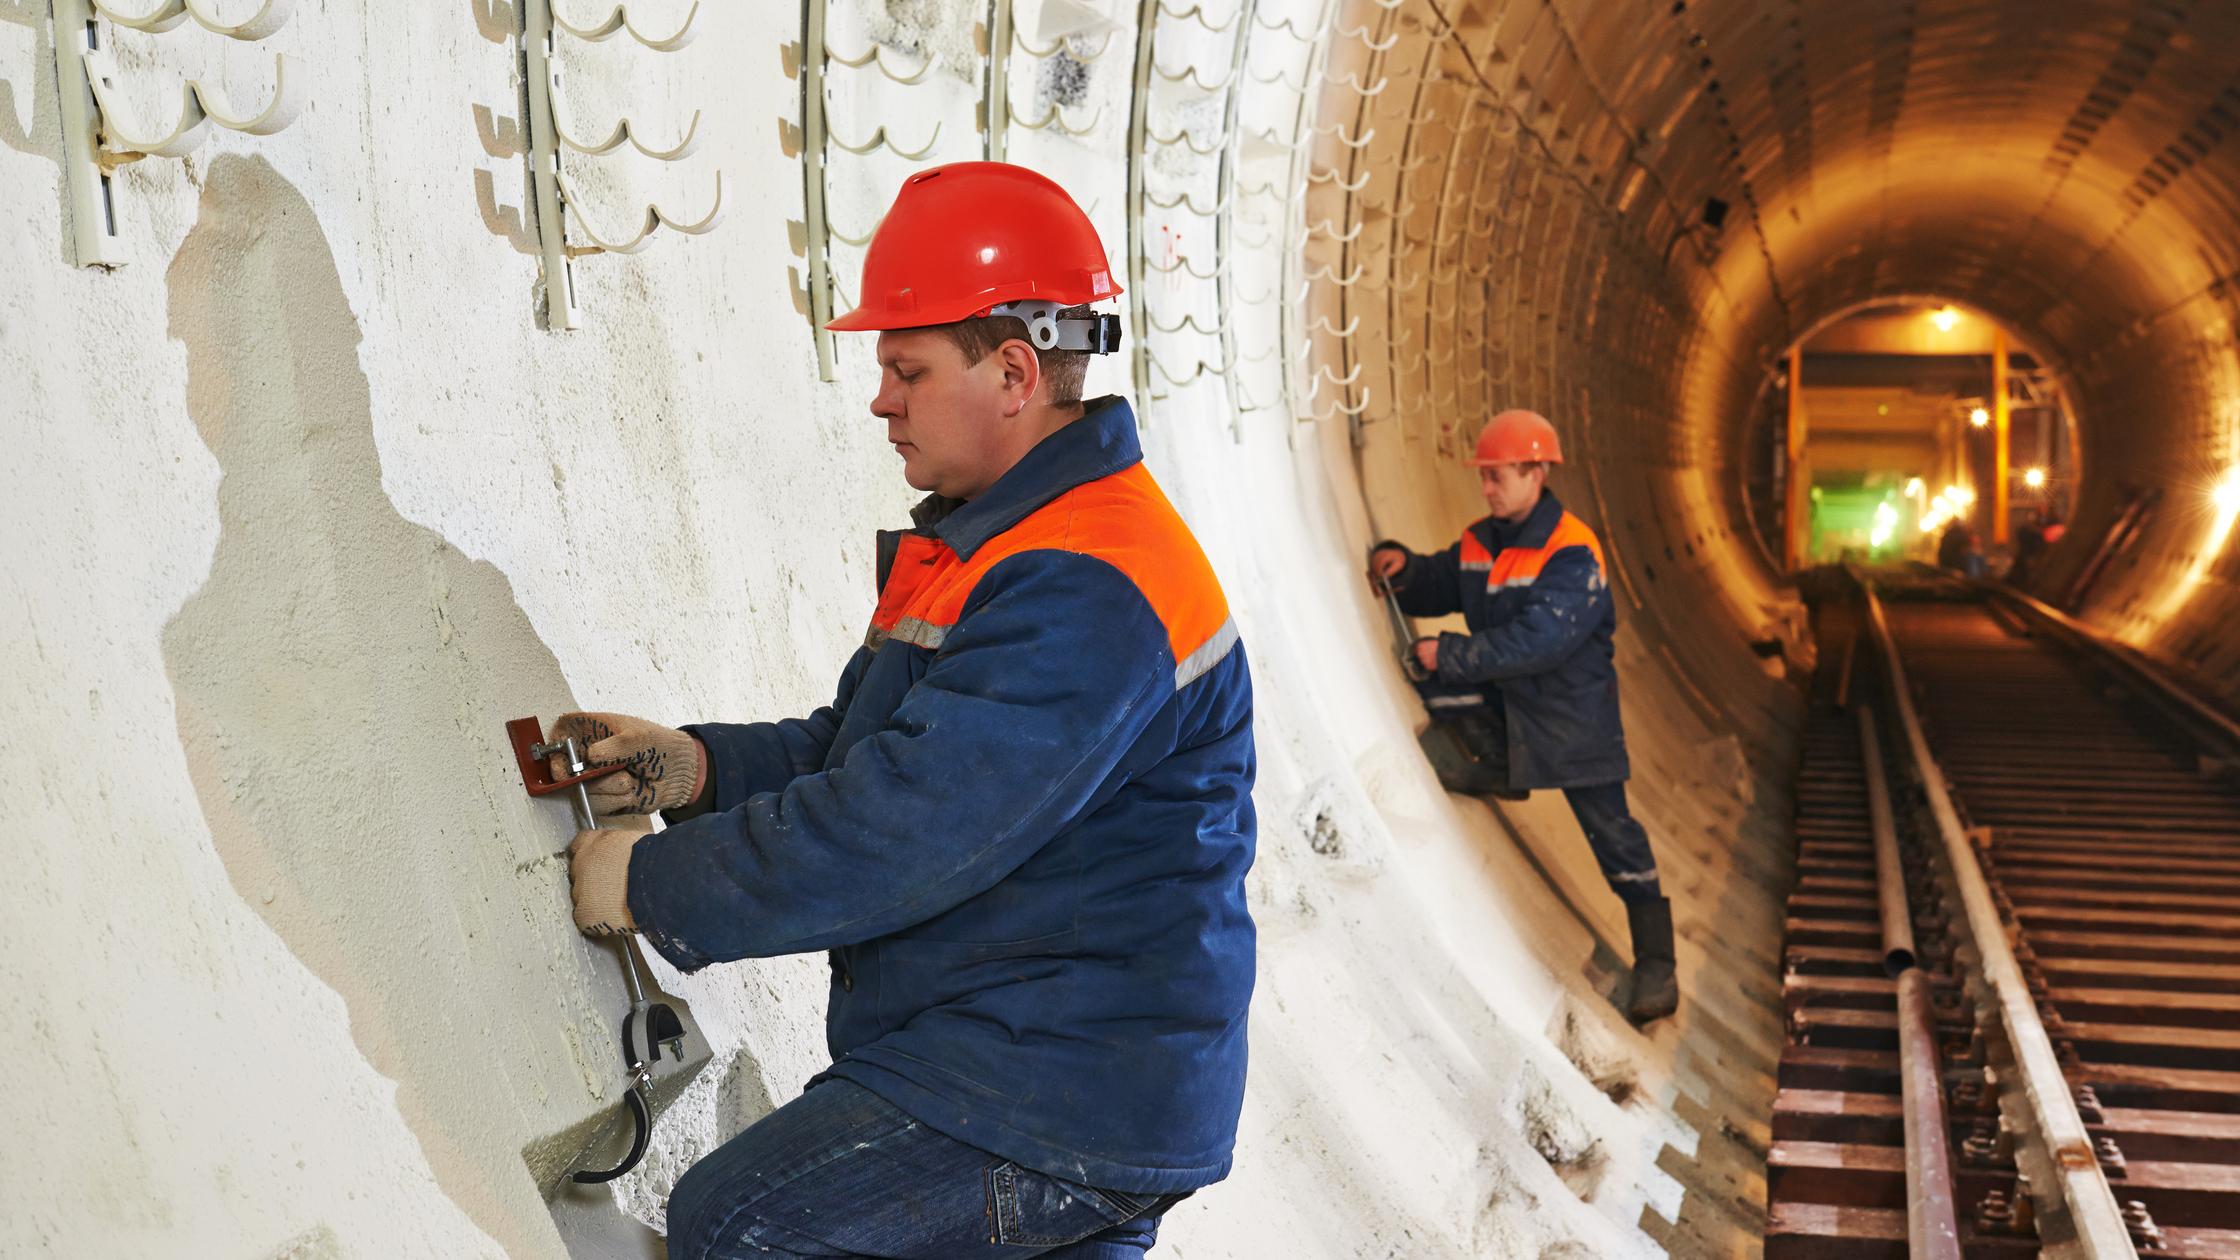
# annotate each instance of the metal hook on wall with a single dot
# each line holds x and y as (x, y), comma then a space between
(1278, 79)
(879, 139)
(1189, 75)
(1183, 137)
(1372, 45)
(654, 218)
(618, 22)
(1333, 177)
(1186, 202)
(1286, 26)
(1327, 229)
(1059, 45)
(1183, 264)
(876, 57)
(1337, 132)
(1323, 274)
(168, 14)
(624, 133)
(1053, 119)
(1197, 13)
(1188, 321)
(198, 112)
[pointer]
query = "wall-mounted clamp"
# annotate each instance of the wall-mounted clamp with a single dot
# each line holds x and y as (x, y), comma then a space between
(649, 1027)
(564, 230)
(99, 131)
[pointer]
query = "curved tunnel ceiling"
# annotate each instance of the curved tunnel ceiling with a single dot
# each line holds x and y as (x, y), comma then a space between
(1531, 182)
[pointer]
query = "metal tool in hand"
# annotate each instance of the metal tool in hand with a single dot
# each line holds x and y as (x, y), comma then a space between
(649, 1026)
(1403, 631)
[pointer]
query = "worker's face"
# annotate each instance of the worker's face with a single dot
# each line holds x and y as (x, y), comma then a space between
(948, 419)
(1510, 490)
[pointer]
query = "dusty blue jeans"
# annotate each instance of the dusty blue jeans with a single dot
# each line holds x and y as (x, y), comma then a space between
(841, 1172)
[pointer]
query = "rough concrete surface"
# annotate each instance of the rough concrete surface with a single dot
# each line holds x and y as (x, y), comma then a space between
(303, 503)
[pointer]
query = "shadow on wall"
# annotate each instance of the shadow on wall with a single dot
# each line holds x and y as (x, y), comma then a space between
(336, 677)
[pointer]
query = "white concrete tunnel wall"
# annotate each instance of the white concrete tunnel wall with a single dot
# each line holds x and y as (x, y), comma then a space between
(304, 504)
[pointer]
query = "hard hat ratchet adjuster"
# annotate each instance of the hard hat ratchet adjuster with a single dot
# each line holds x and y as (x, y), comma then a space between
(1097, 333)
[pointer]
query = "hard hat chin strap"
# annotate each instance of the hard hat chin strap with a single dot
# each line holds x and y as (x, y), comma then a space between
(1099, 333)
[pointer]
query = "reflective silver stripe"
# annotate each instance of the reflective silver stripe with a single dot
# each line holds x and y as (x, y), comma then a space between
(1208, 655)
(919, 633)
(873, 637)
(1477, 566)
(1515, 581)
(1453, 702)
(1633, 877)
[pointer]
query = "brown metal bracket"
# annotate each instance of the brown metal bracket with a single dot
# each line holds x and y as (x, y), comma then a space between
(527, 737)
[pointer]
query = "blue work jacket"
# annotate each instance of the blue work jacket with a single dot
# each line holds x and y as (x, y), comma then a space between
(1539, 649)
(1021, 829)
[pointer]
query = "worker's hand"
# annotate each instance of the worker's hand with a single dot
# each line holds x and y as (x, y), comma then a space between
(1385, 564)
(599, 867)
(662, 768)
(1427, 655)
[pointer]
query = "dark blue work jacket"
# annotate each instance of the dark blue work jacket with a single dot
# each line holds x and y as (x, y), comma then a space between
(1539, 648)
(1021, 829)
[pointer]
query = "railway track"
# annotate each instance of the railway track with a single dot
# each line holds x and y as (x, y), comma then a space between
(2047, 948)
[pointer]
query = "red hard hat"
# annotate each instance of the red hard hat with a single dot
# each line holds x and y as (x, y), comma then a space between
(969, 236)
(1517, 437)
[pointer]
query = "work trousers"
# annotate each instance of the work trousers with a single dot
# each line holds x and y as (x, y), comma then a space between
(1470, 755)
(840, 1172)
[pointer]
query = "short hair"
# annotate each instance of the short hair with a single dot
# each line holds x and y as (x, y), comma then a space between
(1063, 371)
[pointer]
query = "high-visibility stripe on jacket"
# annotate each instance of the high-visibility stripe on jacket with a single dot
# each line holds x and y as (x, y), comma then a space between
(1021, 829)
(1124, 520)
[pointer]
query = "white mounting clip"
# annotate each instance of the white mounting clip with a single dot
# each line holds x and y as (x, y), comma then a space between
(555, 199)
(99, 132)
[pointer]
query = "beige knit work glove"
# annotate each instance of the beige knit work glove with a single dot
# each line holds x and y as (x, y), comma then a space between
(663, 768)
(599, 869)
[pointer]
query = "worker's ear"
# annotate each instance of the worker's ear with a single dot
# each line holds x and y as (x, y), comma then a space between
(1022, 374)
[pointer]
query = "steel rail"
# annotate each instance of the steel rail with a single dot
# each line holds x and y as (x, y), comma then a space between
(2098, 1220)
(1932, 1214)
(2135, 663)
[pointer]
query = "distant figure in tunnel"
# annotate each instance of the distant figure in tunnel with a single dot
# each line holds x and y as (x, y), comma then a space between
(1529, 698)
(1959, 550)
(1021, 828)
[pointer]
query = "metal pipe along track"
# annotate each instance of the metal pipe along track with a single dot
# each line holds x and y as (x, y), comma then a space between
(2013, 968)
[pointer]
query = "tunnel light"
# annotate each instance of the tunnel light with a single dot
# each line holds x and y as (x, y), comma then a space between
(2035, 478)
(1915, 488)
(2226, 497)
(1946, 318)
(1979, 417)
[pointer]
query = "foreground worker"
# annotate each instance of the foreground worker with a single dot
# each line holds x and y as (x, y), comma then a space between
(1021, 828)
(1528, 580)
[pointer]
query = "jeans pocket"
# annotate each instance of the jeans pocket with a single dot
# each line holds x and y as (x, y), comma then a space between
(1032, 1209)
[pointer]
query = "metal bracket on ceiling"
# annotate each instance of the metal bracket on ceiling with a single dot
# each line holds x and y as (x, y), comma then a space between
(100, 132)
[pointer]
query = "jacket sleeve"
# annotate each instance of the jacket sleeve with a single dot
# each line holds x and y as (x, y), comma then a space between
(1567, 601)
(1055, 667)
(744, 759)
(1430, 586)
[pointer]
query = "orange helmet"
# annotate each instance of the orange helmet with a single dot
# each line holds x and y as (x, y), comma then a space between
(986, 238)
(1517, 437)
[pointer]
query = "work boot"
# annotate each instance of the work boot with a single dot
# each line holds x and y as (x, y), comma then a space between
(1656, 990)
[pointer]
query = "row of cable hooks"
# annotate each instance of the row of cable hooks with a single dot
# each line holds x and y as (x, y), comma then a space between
(999, 46)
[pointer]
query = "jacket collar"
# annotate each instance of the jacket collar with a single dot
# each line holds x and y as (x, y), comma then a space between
(1533, 531)
(1099, 444)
